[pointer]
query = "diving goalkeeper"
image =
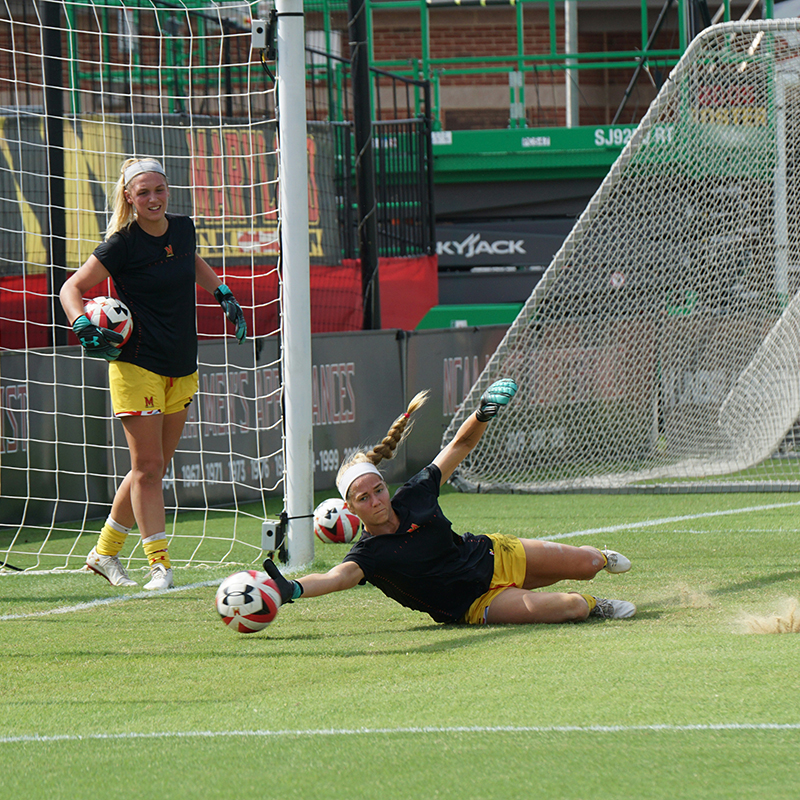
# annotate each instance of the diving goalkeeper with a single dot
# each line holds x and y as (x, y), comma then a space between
(409, 551)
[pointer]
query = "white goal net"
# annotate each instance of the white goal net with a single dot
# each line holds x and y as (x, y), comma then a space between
(86, 84)
(661, 349)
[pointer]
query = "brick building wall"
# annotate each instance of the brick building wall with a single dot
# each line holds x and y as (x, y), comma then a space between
(482, 100)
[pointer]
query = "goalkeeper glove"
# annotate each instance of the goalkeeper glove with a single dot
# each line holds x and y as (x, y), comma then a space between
(498, 394)
(97, 342)
(233, 311)
(290, 590)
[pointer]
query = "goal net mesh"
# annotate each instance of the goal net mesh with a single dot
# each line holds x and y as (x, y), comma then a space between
(178, 81)
(661, 348)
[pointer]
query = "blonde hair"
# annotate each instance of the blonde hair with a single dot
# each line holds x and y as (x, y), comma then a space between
(400, 428)
(122, 213)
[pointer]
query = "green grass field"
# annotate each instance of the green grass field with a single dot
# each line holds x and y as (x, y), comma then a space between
(106, 693)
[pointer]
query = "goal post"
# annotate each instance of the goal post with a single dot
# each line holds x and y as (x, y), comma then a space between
(296, 320)
(660, 350)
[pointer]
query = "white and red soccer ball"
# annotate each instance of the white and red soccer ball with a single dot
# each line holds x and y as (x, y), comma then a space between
(112, 314)
(248, 601)
(334, 522)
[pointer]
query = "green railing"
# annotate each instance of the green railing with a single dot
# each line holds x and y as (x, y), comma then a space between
(111, 56)
(518, 63)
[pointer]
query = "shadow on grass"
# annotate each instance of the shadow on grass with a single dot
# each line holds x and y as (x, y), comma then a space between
(650, 611)
(466, 636)
(656, 609)
(452, 637)
(264, 644)
(755, 583)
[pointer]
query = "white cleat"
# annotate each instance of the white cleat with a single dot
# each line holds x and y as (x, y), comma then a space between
(110, 568)
(615, 562)
(160, 578)
(612, 609)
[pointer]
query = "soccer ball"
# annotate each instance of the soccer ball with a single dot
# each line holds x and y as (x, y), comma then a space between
(248, 601)
(110, 313)
(333, 522)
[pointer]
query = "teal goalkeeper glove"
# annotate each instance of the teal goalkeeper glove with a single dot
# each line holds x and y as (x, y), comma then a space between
(233, 311)
(97, 342)
(498, 394)
(290, 590)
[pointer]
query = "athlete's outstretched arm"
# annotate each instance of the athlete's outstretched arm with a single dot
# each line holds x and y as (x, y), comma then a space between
(468, 435)
(460, 446)
(343, 576)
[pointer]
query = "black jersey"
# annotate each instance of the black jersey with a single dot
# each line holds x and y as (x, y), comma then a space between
(425, 565)
(155, 277)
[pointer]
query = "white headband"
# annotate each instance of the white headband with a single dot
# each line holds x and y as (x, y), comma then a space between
(354, 472)
(140, 167)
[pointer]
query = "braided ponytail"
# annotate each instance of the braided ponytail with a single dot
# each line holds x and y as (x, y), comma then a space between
(400, 428)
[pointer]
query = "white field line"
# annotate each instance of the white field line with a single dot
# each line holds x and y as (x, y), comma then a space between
(649, 523)
(331, 732)
(652, 523)
(107, 601)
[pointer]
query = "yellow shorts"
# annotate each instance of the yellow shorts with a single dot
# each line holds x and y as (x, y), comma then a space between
(510, 566)
(136, 391)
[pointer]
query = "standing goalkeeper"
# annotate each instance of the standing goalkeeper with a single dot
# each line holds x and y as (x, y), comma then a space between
(410, 552)
(151, 257)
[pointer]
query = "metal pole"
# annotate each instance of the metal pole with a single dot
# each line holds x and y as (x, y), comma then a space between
(54, 126)
(643, 60)
(571, 46)
(296, 316)
(431, 249)
(227, 33)
(780, 193)
(365, 165)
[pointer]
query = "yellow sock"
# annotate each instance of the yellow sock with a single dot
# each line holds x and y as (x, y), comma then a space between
(156, 549)
(112, 538)
(591, 600)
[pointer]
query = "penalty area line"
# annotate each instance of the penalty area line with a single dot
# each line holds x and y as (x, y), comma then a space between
(107, 601)
(652, 523)
(478, 729)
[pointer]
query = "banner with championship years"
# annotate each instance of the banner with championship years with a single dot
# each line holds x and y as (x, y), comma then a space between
(231, 447)
(224, 177)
